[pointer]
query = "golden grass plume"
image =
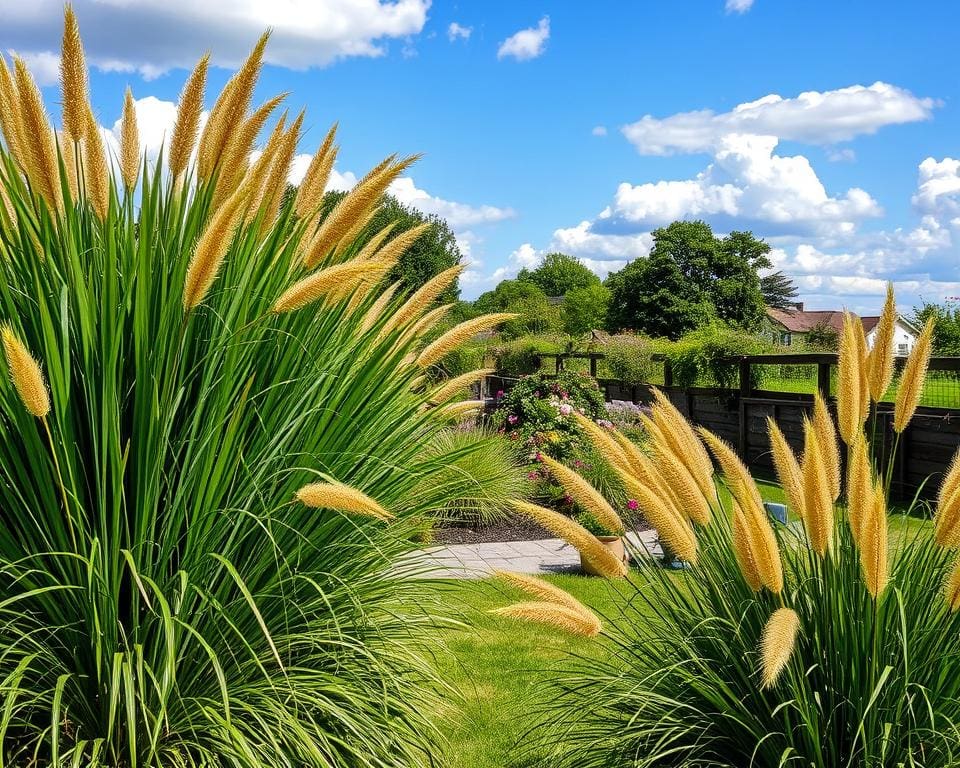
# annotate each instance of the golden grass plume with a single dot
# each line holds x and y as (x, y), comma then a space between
(342, 498)
(129, 142)
(661, 512)
(452, 387)
(314, 183)
(275, 183)
(422, 299)
(787, 467)
(588, 497)
(540, 589)
(210, 250)
(187, 123)
(589, 546)
(11, 121)
(375, 241)
(859, 486)
(229, 111)
(96, 169)
(685, 443)
(827, 438)
(25, 374)
(461, 408)
(73, 79)
(379, 306)
(947, 520)
(430, 320)
(459, 335)
(951, 587)
(873, 544)
(880, 357)
(851, 372)
(323, 283)
(604, 441)
(559, 616)
(742, 549)
(38, 136)
(817, 503)
(776, 644)
(913, 378)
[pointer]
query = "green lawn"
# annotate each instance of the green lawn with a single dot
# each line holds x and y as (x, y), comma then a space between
(499, 665)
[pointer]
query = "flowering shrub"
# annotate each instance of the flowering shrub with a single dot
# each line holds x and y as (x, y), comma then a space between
(538, 412)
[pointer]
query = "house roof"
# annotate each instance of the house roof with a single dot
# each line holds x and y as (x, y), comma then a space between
(801, 321)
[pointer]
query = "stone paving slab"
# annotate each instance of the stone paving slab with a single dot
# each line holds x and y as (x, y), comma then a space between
(478, 561)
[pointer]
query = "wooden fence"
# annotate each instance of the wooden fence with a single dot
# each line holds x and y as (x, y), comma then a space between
(739, 415)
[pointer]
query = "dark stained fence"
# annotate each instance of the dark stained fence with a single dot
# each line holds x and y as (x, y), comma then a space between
(739, 416)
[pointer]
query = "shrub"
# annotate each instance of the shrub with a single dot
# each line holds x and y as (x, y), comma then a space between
(590, 522)
(198, 471)
(520, 357)
(697, 358)
(630, 358)
(538, 412)
(817, 646)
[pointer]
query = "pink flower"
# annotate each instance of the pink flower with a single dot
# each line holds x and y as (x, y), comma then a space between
(577, 463)
(632, 505)
(499, 394)
(533, 475)
(538, 456)
(568, 499)
(537, 393)
(566, 409)
(512, 419)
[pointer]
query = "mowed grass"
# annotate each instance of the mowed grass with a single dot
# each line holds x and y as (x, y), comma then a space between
(498, 667)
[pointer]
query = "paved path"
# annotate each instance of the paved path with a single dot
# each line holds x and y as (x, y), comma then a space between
(477, 561)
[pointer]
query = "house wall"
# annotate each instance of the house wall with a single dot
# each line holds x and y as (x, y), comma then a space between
(902, 336)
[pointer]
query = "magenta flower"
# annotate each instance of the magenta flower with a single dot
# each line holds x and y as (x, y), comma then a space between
(512, 419)
(577, 463)
(632, 505)
(499, 394)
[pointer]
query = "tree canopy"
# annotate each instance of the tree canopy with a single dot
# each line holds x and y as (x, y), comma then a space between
(559, 273)
(946, 329)
(584, 309)
(690, 278)
(536, 314)
(779, 291)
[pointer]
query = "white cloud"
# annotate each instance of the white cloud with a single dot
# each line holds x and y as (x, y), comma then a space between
(153, 36)
(599, 130)
(746, 184)
(581, 241)
(458, 32)
(938, 187)
(812, 117)
(738, 6)
(841, 155)
(44, 65)
(527, 43)
(457, 215)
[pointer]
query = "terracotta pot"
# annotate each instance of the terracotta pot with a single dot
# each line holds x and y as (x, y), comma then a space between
(612, 543)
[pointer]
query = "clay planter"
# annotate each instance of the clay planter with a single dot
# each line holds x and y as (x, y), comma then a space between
(615, 545)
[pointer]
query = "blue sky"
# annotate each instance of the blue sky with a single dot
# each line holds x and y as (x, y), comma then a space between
(829, 128)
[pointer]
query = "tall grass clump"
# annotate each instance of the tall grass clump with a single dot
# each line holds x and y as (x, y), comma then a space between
(211, 447)
(823, 643)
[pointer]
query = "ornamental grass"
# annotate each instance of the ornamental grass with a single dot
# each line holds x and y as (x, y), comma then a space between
(816, 644)
(210, 460)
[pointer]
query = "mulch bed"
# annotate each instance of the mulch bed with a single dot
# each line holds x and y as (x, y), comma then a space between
(511, 529)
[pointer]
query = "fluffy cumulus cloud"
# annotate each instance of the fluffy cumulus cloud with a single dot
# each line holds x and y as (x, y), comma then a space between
(747, 184)
(153, 36)
(527, 43)
(458, 215)
(458, 32)
(813, 117)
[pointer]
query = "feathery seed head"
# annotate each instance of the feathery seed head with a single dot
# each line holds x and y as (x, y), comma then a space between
(827, 438)
(852, 406)
(880, 357)
(816, 492)
(129, 143)
(540, 589)
(948, 507)
(96, 169)
(37, 134)
(310, 192)
(742, 549)
(777, 643)
(187, 123)
(343, 498)
(378, 307)
(787, 466)
(422, 299)
(859, 486)
(325, 282)
(951, 588)
(459, 335)
(73, 79)
(675, 474)
(589, 546)
(585, 495)
(873, 544)
(457, 384)
(660, 511)
(913, 378)
(375, 241)
(11, 121)
(212, 246)
(605, 443)
(585, 624)
(461, 408)
(25, 374)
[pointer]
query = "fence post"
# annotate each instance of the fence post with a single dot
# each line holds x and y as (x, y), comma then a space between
(559, 363)
(667, 374)
(742, 407)
(593, 365)
(823, 379)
